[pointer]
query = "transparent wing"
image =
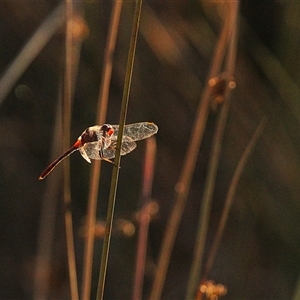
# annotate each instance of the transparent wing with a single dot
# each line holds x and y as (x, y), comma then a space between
(137, 131)
(127, 146)
(92, 150)
(132, 132)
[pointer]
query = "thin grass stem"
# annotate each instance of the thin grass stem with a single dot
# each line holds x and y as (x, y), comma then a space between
(66, 141)
(115, 174)
(144, 219)
(47, 218)
(214, 160)
(183, 185)
(27, 54)
(96, 166)
(206, 202)
(231, 193)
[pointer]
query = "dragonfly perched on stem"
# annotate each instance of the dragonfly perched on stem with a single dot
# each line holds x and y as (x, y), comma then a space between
(99, 142)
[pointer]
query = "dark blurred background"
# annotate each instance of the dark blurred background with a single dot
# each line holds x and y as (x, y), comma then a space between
(259, 257)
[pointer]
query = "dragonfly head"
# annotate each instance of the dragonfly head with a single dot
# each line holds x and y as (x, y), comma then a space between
(107, 130)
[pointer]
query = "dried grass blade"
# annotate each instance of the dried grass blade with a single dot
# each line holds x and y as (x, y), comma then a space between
(230, 195)
(214, 160)
(96, 166)
(144, 219)
(183, 185)
(67, 104)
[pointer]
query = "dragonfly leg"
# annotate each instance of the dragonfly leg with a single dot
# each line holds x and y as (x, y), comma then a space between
(106, 159)
(101, 153)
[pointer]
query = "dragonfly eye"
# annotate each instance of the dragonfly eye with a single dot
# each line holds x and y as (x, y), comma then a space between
(107, 130)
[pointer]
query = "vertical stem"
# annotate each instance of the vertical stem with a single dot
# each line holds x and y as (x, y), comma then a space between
(144, 219)
(214, 161)
(115, 174)
(66, 141)
(183, 185)
(230, 195)
(47, 218)
(206, 203)
(96, 166)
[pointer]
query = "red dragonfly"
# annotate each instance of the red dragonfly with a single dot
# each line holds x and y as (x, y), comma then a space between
(99, 142)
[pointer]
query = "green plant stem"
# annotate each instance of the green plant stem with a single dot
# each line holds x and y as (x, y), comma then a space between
(214, 161)
(96, 166)
(206, 202)
(230, 195)
(115, 174)
(183, 185)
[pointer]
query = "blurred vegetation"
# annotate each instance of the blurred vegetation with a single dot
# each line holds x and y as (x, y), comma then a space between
(259, 254)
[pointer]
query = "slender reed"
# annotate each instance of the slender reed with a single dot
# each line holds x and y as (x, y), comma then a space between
(230, 195)
(47, 223)
(66, 141)
(144, 219)
(183, 185)
(214, 160)
(47, 218)
(206, 202)
(96, 166)
(32, 48)
(115, 174)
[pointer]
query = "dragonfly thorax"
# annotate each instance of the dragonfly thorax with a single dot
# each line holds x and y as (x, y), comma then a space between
(97, 134)
(88, 136)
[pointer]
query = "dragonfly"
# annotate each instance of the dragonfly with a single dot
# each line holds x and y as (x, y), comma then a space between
(99, 142)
